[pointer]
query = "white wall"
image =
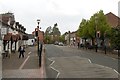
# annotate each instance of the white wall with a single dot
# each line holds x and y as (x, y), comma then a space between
(13, 46)
(1, 47)
(17, 45)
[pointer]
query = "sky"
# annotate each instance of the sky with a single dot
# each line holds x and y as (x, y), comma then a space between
(66, 13)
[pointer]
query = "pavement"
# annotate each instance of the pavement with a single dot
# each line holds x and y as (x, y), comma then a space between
(23, 68)
(0, 67)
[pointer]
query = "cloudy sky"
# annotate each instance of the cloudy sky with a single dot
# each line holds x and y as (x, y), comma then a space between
(67, 13)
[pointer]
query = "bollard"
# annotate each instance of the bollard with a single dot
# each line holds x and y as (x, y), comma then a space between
(40, 52)
(39, 61)
(105, 49)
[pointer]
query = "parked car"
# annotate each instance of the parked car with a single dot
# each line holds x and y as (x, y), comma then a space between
(61, 44)
(56, 43)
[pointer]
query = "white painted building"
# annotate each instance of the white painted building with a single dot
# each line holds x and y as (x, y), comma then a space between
(3, 31)
(12, 34)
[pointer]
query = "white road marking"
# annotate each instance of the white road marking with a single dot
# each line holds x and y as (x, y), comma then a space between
(113, 59)
(106, 67)
(29, 53)
(24, 63)
(89, 60)
(116, 71)
(109, 68)
(53, 67)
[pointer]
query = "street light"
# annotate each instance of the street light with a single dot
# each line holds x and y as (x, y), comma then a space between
(69, 37)
(105, 42)
(38, 21)
(96, 44)
(37, 35)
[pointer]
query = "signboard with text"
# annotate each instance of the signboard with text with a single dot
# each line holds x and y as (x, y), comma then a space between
(3, 31)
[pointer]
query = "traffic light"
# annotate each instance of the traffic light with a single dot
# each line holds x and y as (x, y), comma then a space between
(36, 33)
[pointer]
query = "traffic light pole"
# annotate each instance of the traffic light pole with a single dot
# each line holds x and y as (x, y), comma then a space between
(39, 47)
(39, 54)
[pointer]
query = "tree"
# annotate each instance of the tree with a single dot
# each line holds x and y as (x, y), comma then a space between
(81, 32)
(55, 30)
(56, 33)
(52, 34)
(47, 38)
(115, 38)
(48, 30)
(99, 23)
(102, 25)
(89, 28)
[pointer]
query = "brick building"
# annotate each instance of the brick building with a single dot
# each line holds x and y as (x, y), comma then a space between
(112, 19)
(40, 34)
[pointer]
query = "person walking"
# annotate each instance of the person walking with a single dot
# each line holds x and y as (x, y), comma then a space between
(78, 45)
(21, 51)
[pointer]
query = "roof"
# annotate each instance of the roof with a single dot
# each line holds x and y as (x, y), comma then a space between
(112, 19)
(30, 36)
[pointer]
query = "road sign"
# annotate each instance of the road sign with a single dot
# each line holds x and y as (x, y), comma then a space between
(3, 31)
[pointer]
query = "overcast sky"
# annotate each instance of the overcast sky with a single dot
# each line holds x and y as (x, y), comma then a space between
(67, 13)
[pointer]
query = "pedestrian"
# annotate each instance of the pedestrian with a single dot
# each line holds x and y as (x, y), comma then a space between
(21, 51)
(78, 45)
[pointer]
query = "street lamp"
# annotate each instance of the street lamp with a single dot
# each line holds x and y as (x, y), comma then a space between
(38, 21)
(96, 44)
(37, 36)
(37, 33)
(69, 37)
(105, 42)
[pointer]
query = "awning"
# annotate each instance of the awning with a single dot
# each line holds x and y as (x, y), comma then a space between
(18, 37)
(14, 37)
(7, 37)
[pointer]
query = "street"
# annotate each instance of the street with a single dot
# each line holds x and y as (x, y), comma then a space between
(71, 62)
(61, 62)
(26, 67)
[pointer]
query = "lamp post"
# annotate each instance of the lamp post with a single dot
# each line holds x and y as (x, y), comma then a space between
(69, 37)
(37, 36)
(37, 33)
(105, 42)
(96, 44)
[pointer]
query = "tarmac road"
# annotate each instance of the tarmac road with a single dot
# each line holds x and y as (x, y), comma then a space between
(73, 63)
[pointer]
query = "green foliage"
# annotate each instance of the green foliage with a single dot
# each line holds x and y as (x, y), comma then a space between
(102, 25)
(52, 34)
(97, 22)
(82, 31)
(55, 31)
(62, 38)
(48, 30)
(115, 38)
(47, 39)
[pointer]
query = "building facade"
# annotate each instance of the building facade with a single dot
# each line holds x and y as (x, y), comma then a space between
(71, 38)
(112, 19)
(40, 35)
(12, 33)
